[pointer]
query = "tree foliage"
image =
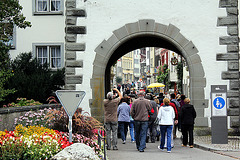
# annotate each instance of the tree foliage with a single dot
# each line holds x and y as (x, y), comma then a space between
(163, 75)
(119, 80)
(179, 68)
(10, 16)
(33, 80)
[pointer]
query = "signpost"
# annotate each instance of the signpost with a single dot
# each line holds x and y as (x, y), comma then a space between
(70, 100)
(219, 114)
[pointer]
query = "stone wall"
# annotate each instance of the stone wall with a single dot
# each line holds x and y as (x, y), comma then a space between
(71, 45)
(8, 115)
(232, 57)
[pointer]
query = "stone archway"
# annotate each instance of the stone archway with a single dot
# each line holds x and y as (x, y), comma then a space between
(107, 52)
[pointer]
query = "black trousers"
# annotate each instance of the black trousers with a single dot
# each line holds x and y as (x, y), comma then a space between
(187, 130)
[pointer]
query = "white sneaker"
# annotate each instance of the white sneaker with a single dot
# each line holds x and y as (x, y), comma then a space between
(160, 148)
(168, 151)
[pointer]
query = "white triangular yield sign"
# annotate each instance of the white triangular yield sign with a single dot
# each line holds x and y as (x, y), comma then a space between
(70, 100)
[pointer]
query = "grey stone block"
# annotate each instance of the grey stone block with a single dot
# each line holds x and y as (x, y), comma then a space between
(232, 93)
(103, 49)
(234, 84)
(76, 29)
(233, 112)
(70, 3)
(73, 79)
(194, 59)
(227, 57)
(228, 40)
(197, 93)
(71, 20)
(121, 33)
(199, 103)
(70, 55)
(230, 75)
(70, 87)
(233, 102)
(201, 122)
(190, 49)
(146, 25)
(232, 30)
(172, 31)
(113, 40)
(99, 70)
(232, 48)
(70, 63)
(132, 27)
(234, 121)
(97, 82)
(160, 28)
(181, 40)
(76, 12)
(69, 71)
(75, 46)
(198, 81)
(225, 21)
(233, 66)
(196, 70)
(232, 11)
(100, 60)
(71, 38)
(200, 112)
(228, 3)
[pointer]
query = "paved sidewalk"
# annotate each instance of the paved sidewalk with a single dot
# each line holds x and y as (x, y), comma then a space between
(232, 149)
(202, 143)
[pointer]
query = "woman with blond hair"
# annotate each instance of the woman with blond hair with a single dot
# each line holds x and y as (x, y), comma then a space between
(188, 115)
(166, 117)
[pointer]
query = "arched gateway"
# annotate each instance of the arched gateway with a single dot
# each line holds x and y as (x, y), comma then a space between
(147, 33)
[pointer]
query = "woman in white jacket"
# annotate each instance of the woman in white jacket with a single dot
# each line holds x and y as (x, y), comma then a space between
(166, 117)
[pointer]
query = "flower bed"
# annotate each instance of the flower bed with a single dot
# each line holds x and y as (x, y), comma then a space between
(36, 142)
(39, 135)
(31, 142)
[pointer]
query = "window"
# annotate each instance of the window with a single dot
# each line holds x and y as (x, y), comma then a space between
(48, 6)
(136, 61)
(51, 54)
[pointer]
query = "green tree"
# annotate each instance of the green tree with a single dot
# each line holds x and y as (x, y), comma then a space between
(10, 16)
(119, 79)
(163, 75)
(179, 68)
(34, 80)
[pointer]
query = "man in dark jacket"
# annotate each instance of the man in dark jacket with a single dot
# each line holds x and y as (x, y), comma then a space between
(188, 115)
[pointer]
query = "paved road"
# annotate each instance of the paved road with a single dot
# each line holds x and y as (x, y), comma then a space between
(128, 151)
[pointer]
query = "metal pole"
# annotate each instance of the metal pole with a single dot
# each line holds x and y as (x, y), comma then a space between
(70, 128)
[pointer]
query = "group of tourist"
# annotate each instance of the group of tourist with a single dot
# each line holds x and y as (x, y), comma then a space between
(146, 116)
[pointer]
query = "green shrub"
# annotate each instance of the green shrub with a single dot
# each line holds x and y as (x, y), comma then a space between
(33, 80)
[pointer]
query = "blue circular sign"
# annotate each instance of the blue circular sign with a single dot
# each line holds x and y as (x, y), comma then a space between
(219, 103)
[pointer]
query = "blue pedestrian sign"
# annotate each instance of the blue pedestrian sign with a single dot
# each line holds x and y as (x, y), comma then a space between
(219, 103)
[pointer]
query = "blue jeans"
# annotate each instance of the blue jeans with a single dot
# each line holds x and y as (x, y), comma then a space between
(131, 127)
(166, 129)
(123, 129)
(141, 134)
